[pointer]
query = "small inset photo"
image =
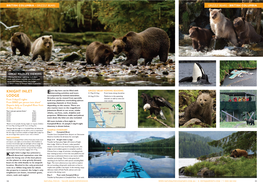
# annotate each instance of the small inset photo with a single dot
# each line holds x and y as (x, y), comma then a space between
(238, 109)
(156, 108)
(238, 73)
(197, 73)
(197, 108)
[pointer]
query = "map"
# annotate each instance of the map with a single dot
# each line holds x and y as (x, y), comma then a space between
(106, 115)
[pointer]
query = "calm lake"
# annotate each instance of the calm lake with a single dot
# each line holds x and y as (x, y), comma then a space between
(249, 79)
(106, 165)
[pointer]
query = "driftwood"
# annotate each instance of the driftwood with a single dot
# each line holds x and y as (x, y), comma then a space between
(159, 121)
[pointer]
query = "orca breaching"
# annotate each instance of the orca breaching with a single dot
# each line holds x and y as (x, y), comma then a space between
(198, 75)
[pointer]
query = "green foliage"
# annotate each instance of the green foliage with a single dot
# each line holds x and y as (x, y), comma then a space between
(241, 124)
(124, 16)
(227, 66)
(246, 140)
(227, 167)
(193, 146)
(169, 95)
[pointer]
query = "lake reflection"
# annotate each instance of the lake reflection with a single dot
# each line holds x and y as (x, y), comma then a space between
(107, 165)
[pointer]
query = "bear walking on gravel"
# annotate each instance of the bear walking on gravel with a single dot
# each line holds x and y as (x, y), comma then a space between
(43, 47)
(146, 44)
(238, 153)
(245, 32)
(222, 26)
(202, 109)
(20, 41)
(98, 52)
(201, 37)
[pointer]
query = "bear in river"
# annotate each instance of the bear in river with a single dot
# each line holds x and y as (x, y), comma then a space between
(201, 37)
(202, 109)
(20, 41)
(146, 44)
(98, 52)
(43, 47)
(238, 153)
(246, 32)
(222, 26)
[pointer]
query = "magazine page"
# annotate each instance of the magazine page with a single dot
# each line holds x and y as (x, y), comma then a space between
(130, 91)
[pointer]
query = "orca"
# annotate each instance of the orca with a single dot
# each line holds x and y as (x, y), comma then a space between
(198, 75)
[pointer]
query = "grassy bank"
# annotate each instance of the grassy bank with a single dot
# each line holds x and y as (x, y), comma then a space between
(227, 167)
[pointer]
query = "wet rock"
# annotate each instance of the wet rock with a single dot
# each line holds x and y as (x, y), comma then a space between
(73, 56)
(205, 172)
(79, 80)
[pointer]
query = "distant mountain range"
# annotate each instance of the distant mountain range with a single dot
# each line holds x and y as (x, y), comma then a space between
(151, 138)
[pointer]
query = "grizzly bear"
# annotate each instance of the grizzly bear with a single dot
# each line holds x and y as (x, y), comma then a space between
(98, 52)
(222, 26)
(43, 47)
(202, 109)
(146, 44)
(238, 153)
(20, 41)
(250, 121)
(201, 37)
(245, 32)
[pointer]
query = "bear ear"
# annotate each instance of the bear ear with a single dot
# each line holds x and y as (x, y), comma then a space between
(50, 36)
(210, 9)
(124, 39)
(220, 10)
(200, 92)
(113, 38)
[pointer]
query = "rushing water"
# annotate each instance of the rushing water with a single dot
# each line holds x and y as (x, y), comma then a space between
(186, 70)
(106, 165)
(249, 79)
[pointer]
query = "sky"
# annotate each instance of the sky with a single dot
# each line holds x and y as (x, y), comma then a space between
(127, 136)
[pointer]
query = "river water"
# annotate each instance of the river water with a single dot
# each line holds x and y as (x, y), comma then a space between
(186, 70)
(106, 165)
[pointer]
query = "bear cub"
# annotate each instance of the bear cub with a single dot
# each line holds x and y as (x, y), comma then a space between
(146, 44)
(43, 46)
(222, 26)
(201, 37)
(20, 41)
(202, 109)
(246, 32)
(98, 52)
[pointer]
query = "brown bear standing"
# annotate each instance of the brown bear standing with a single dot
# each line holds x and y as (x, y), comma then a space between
(98, 52)
(201, 37)
(43, 47)
(245, 32)
(222, 26)
(202, 109)
(238, 153)
(20, 41)
(147, 44)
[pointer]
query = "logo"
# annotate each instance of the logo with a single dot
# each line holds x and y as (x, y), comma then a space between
(117, 107)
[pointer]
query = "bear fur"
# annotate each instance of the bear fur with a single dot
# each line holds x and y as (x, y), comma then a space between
(246, 32)
(222, 26)
(20, 41)
(201, 37)
(146, 44)
(43, 46)
(249, 121)
(98, 52)
(238, 153)
(202, 109)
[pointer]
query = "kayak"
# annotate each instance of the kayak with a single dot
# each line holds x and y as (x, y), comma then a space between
(133, 169)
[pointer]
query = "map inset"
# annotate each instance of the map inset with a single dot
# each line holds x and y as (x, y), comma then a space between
(106, 115)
